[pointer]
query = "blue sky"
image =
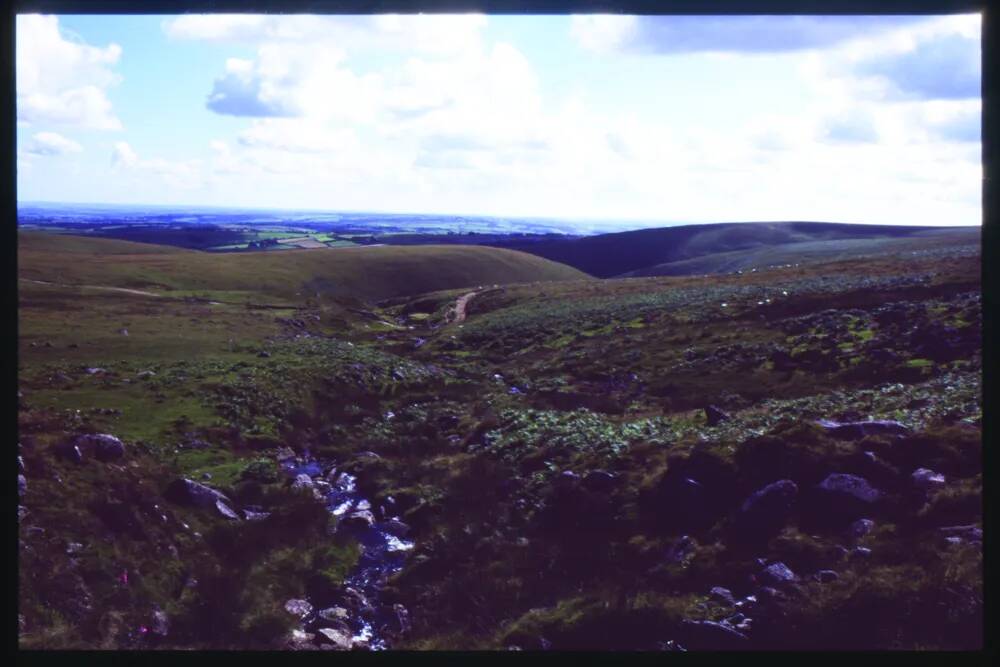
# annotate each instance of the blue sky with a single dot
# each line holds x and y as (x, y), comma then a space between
(694, 119)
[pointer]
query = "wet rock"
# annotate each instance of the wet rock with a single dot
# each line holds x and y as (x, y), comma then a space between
(860, 552)
(860, 528)
(714, 415)
(160, 624)
(299, 640)
(826, 576)
(335, 637)
(858, 430)
(567, 477)
(723, 595)
(251, 515)
(927, 480)
(395, 527)
(599, 480)
(334, 614)
(777, 574)
(226, 511)
(767, 510)
(73, 548)
(20, 464)
(358, 519)
(22, 486)
(300, 608)
(710, 636)
(302, 481)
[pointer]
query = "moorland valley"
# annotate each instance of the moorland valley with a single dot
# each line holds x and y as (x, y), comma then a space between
(703, 437)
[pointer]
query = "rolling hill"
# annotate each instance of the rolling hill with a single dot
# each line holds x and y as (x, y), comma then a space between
(366, 273)
(609, 255)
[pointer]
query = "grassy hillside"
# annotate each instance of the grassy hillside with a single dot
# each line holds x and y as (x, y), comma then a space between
(810, 251)
(607, 255)
(369, 274)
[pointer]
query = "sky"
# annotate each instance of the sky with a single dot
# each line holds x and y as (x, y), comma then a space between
(627, 118)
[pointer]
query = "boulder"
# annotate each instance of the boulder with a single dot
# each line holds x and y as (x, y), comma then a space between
(226, 511)
(860, 528)
(766, 510)
(715, 415)
(842, 498)
(334, 614)
(302, 481)
(300, 608)
(723, 595)
(184, 491)
(102, 446)
(777, 574)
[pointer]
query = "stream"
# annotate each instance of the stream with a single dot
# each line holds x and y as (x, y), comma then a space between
(381, 537)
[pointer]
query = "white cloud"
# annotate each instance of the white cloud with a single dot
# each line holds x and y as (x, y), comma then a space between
(61, 80)
(51, 143)
(441, 34)
(177, 174)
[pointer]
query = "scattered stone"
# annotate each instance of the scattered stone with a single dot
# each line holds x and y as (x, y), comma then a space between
(599, 480)
(842, 498)
(300, 608)
(826, 576)
(861, 552)
(206, 476)
(263, 354)
(187, 492)
(954, 540)
(123, 332)
(22, 486)
(369, 455)
(778, 573)
(710, 635)
(145, 374)
(285, 454)
(767, 510)
(860, 528)
(723, 595)
(969, 533)
(715, 415)
(95, 371)
(927, 480)
(255, 516)
(73, 548)
(340, 640)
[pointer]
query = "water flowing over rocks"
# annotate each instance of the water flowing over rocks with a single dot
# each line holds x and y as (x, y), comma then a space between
(357, 620)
